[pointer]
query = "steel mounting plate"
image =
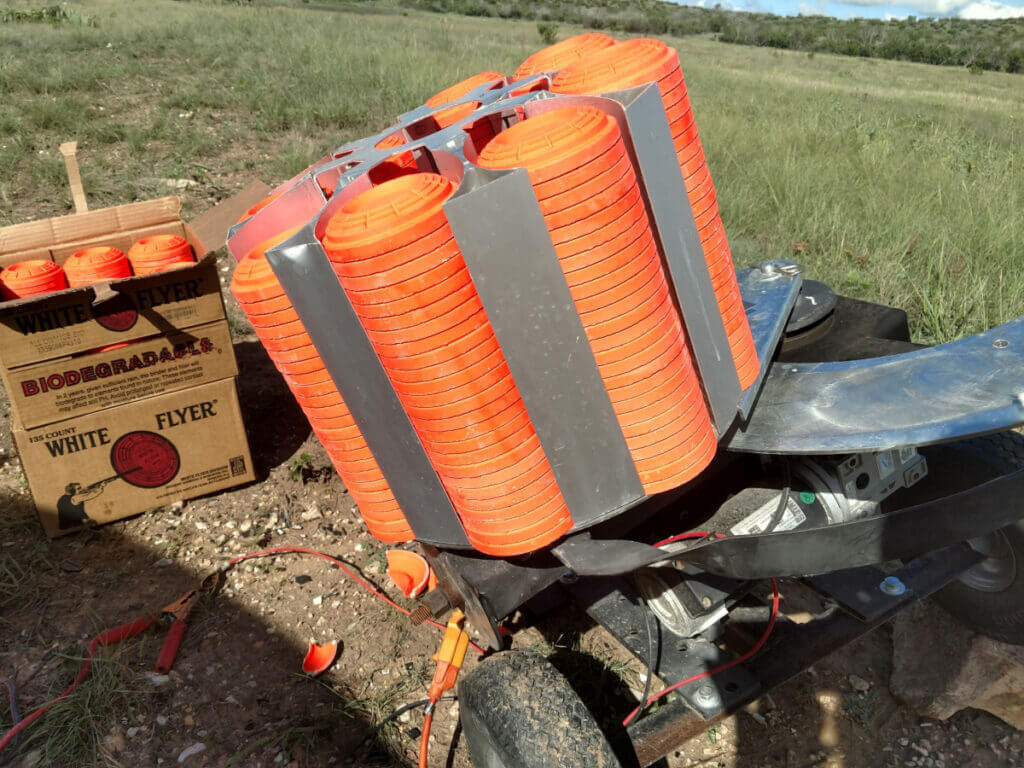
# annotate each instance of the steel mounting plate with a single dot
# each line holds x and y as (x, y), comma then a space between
(967, 387)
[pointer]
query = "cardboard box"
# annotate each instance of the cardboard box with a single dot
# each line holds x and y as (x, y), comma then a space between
(45, 392)
(139, 371)
(79, 319)
(118, 461)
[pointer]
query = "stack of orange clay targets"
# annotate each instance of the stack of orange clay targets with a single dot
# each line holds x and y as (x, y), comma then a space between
(158, 253)
(94, 265)
(265, 304)
(397, 260)
(640, 61)
(31, 278)
(590, 198)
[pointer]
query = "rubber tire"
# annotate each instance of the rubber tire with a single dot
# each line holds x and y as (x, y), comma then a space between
(518, 711)
(998, 615)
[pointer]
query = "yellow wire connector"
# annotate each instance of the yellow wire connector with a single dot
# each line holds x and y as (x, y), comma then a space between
(450, 656)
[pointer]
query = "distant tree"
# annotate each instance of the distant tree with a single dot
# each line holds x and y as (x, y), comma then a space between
(977, 44)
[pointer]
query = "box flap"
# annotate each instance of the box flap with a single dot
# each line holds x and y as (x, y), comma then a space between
(47, 233)
(209, 230)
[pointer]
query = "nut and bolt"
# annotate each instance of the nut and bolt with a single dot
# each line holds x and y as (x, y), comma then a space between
(706, 694)
(1000, 344)
(892, 586)
(779, 267)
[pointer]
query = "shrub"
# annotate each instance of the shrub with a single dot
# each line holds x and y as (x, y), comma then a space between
(548, 31)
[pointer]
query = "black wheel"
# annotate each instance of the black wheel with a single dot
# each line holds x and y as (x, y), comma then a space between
(989, 598)
(517, 711)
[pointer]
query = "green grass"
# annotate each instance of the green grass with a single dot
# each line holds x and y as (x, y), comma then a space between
(892, 181)
(73, 731)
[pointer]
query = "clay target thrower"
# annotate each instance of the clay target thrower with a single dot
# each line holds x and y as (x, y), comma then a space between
(490, 283)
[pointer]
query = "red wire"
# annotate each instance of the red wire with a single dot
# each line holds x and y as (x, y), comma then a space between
(106, 637)
(132, 628)
(745, 657)
(728, 665)
(682, 536)
(347, 571)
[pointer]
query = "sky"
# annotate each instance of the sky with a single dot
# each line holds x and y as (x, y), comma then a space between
(877, 9)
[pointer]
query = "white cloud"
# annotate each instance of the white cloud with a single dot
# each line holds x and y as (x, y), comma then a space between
(812, 9)
(966, 9)
(932, 7)
(987, 9)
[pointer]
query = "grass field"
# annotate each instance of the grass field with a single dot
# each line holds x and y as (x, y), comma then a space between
(893, 181)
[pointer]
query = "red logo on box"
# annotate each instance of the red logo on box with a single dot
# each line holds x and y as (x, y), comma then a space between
(145, 459)
(117, 314)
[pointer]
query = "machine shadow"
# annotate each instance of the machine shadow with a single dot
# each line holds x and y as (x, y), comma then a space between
(237, 685)
(812, 719)
(268, 409)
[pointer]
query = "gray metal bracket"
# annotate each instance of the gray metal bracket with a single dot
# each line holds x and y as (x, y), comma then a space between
(769, 294)
(964, 388)
(523, 289)
(676, 229)
(307, 277)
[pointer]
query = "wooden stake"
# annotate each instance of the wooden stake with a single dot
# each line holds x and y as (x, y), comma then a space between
(69, 149)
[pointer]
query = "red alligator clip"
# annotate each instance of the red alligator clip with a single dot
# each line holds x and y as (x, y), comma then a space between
(178, 612)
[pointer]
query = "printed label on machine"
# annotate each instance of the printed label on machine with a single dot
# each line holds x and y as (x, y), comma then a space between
(758, 521)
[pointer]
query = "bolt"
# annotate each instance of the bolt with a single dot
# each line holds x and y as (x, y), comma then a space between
(779, 267)
(569, 577)
(706, 694)
(706, 602)
(892, 586)
(1000, 344)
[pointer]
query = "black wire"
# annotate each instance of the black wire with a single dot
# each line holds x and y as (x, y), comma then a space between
(12, 698)
(787, 480)
(650, 652)
(400, 711)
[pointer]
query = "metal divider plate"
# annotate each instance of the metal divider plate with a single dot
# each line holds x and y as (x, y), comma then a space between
(676, 229)
(523, 289)
(307, 277)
